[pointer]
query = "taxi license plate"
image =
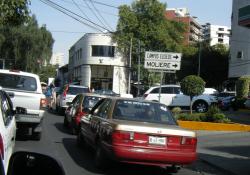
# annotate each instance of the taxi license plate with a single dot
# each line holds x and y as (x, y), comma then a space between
(157, 140)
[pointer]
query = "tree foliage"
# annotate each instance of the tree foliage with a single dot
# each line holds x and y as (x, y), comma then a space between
(146, 21)
(192, 85)
(26, 47)
(214, 63)
(47, 72)
(14, 12)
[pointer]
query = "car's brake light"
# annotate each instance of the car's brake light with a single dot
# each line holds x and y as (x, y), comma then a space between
(189, 141)
(122, 137)
(43, 103)
(1, 147)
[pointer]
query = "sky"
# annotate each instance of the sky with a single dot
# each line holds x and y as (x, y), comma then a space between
(66, 31)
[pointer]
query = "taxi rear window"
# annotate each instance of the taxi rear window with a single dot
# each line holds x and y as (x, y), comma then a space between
(18, 82)
(143, 112)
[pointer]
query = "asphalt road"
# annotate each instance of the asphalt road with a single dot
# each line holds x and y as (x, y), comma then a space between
(59, 144)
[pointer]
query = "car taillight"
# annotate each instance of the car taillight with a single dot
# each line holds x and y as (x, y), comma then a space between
(122, 137)
(189, 141)
(43, 103)
(145, 95)
(1, 147)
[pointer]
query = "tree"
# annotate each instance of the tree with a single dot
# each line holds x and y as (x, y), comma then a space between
(47, 72)
(14, 12)
(214, 63)
(145, 21)
(26, 47)
(192, 86)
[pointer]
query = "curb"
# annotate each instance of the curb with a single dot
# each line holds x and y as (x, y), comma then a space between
(208, 126)
(226, 171)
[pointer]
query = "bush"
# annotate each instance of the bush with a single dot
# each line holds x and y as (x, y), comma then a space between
(176, 110)
(213, 116)
(242, 87)
(213, 109)
(189, 117)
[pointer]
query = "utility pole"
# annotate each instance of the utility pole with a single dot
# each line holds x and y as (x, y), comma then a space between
(138, 73)
(130, 58)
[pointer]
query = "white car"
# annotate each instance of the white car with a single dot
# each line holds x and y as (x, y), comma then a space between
(172, 96)
(25, 91)
(67, 94)
(7, 130)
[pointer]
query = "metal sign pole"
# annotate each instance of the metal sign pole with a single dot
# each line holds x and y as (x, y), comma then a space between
(160, 86)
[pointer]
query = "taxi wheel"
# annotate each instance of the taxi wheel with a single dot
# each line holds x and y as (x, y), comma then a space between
(101, 160)
(37, 135)
(65, 122)
(80, 140)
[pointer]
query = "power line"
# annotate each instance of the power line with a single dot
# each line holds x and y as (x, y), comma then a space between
(101, 3)
(60, 9)
(69, 2)
(80, 9)
(100, 15)
(47, 2)
(94, 13)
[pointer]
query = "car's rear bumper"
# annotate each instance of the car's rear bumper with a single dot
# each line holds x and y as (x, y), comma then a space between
(148, 156)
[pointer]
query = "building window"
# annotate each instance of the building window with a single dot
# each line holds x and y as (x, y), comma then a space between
(240, 54)
(220, 35)
(220, 40)
(221, 29)
(103, 51)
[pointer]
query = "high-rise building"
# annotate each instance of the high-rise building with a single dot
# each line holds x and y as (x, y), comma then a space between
(216, 34)
(193, 28)
(239, 63)
(57, 59)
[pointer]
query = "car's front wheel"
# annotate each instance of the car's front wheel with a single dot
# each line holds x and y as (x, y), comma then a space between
(200, 106)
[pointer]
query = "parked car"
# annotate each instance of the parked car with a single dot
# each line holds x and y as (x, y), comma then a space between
(226, 94)
(7, 129)
(138, 132)
(67, 94)
(80, 106)
(247, 103)
(172, 96)
(25, 91)
(226, 103)
(106, 92)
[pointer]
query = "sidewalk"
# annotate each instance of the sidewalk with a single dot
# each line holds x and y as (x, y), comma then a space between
(226, 151)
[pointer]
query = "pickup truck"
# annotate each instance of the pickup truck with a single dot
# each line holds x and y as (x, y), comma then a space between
(25, 91)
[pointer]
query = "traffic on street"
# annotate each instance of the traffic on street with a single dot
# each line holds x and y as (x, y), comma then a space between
(60, 144)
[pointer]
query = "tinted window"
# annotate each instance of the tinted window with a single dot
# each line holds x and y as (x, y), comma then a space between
(90, 101)
(6, 108)
(103, 109)
(103, 51)
(155, 91)
(143, 111)
(167, 90)
(18, 82)
(77, 90)
(177, 90)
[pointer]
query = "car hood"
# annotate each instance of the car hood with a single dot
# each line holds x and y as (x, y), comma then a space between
(152, 128)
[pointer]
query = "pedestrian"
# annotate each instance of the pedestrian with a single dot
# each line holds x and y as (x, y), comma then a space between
(49, 95)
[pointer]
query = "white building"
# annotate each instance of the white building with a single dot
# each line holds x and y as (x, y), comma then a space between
(239, 63)
(57, 59)
(216, 34)
(95, 62)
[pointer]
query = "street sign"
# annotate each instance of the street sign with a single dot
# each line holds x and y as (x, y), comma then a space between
(162, 65)
(162, 60)
(167, 56)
